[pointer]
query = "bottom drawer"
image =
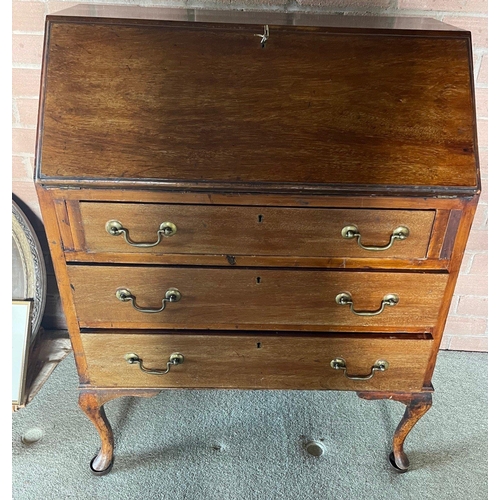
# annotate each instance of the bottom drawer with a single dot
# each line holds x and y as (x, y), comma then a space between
(255, 361)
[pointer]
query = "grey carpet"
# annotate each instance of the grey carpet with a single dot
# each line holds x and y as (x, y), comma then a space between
(246, 445)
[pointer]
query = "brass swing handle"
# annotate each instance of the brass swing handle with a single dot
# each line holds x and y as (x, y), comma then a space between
(345, 299)
(171, 295)
(350, 232)
(175, 359)
(339, 364)
(115, 228)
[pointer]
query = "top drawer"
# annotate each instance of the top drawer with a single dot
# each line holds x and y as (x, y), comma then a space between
(120, 228)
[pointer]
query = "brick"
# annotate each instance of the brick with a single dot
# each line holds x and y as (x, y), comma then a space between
(478, 240)
(27, 49)
(481, 218)
(483, 163)
(25, 192)
(466, 262)
(25, 82)
(22, 169)
(482, 103)
(15, 113)
(472, 284)
(23, 141)
(477, 344)
(239, 4)
(454, 304)
(465, 326)
(482, 77)
(53, 6)
(28, 111)
(350, 5)
(28, 16)
(483, 198)
(479, 264)
(445, 342)
(482, 133)
(479, 6)
(472, 306)
(478, 26)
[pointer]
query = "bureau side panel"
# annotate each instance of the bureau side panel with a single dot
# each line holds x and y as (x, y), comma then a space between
(53, 219)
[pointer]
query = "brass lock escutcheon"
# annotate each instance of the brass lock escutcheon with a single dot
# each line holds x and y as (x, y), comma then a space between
(379, 366)
(116, 228)
(351, 232)
(345, 299)
(175, 359)
(171, 295)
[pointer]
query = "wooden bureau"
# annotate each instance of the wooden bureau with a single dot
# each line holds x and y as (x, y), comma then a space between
(255, 200)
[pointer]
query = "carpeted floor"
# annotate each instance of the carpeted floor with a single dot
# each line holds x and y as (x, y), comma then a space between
(246, 445)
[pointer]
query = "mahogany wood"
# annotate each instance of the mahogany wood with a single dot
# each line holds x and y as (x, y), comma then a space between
(92, 404)
(230, 298)
(255, 362)
(417, 404)
(128, 192)
(302, 232)
(188, 114)
(261, 155)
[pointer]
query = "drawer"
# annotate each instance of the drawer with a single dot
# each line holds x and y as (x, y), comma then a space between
(232, 230)
(255, 362)
(230, 298)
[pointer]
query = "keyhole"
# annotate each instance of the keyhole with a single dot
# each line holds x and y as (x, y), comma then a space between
(258, 279)
(258, 345)
(260, 218)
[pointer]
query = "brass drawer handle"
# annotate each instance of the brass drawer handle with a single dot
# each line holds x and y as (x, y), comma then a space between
(175, 359)
(171, 295)
(115, 228)
(345, 298)
(400, 233)
(339, 364)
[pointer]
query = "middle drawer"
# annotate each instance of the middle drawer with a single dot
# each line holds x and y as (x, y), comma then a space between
(263, 299)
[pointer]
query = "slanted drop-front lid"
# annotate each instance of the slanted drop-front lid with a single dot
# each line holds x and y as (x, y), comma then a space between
(206, 104)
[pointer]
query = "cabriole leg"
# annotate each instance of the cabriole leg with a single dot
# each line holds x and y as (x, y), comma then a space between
(417, 404)
(92, 405)
(91, 402)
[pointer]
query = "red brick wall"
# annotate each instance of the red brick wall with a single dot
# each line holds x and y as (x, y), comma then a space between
(467, 325)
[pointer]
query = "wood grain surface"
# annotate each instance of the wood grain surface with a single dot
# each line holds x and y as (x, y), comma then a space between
(236, 231)
(191, 103)
(234, 298)
(255, 362)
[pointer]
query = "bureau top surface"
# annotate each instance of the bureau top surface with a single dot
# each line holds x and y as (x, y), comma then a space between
(137, 13)
(184, 97)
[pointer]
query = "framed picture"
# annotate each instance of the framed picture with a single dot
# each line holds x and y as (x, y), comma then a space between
(28, 268)
(21, 340)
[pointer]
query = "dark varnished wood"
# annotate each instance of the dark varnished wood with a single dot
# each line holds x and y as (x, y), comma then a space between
(240, 114)
(417, 404)
(259, 153)
(229, 298)
(231, 230)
